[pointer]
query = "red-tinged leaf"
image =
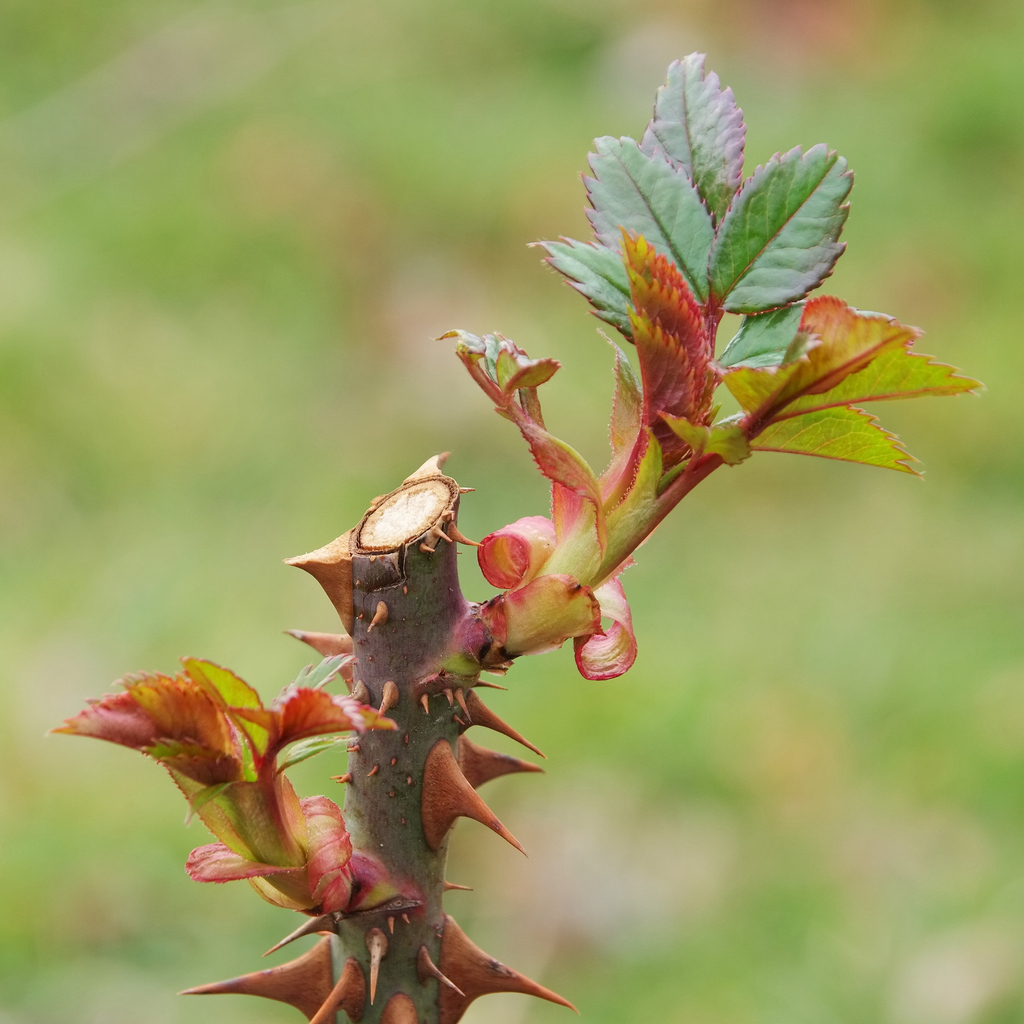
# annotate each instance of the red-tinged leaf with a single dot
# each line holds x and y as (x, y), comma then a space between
(894, 374)
(513, 555)
(850, 435)
(230, 691)
(698, 126)
(563, 465)
(611, 653)
(841, 342)
(216, 863)
(726, 439)
(545, 613)
(115, 717)
(516, 370)
(500, 366)
(181, 710)
(671, 343)
(329, 852)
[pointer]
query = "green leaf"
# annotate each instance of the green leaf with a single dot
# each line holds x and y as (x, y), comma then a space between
(850, 435)
(198, 800)
(763, 340)
(627, 406)
(894, 374)
(779, 238)
(597, 273)
(700, 128)
(305, 749)
(315, 676)
(725, 439)
(222, 684)
(633, 191)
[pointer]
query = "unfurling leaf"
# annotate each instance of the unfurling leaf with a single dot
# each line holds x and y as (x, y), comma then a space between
(545, 613)
(637, 192)
(217, 863)
(329, 854)
(512, 555)
(699, 128)
(850, 435)
(779, 239)
(596, 272)
(764, 339)
(612, 652)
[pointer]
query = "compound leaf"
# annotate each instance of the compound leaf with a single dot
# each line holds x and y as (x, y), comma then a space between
(637, 192)
(699, 128)
(762, 340)
(850, 435)
(779, 238)
(597, 273)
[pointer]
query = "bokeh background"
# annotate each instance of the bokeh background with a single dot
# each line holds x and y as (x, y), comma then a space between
(228, 233)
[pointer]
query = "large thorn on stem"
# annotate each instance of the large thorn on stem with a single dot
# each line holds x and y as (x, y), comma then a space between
(328, 644)
(480, 765)
(483, 715)
(303, 983)
(449, 886)
(348, 995)
(324, 923)
(331, 567)
(377, 944)
(426, 968)
(447, 795)
(400, 1010)
(478, 974)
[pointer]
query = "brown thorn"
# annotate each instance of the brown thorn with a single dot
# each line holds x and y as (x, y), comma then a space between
(360, 692)
(327, 644)
(373, 770)
(466, 490)
(348, 995)
(457, 535)
(331, 567)
(347, 777)
(478, 974)
(483, 715)
(426, 549)
(390, 698)
(405, 918)
(425, 701)
(324, 923)
(448, 694)
(464, 725)
(460, 696)
(426, 969)
(448, 886)
(489, 684)
(400, 1010)
(432, 467)
(408, 780)
(377, 944)
(437, 530)
(447, 795)
(380, 617)
(304, 983)
(391, 925)
(480, 765)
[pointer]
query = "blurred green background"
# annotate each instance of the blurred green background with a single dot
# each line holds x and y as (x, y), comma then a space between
(227, 236)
